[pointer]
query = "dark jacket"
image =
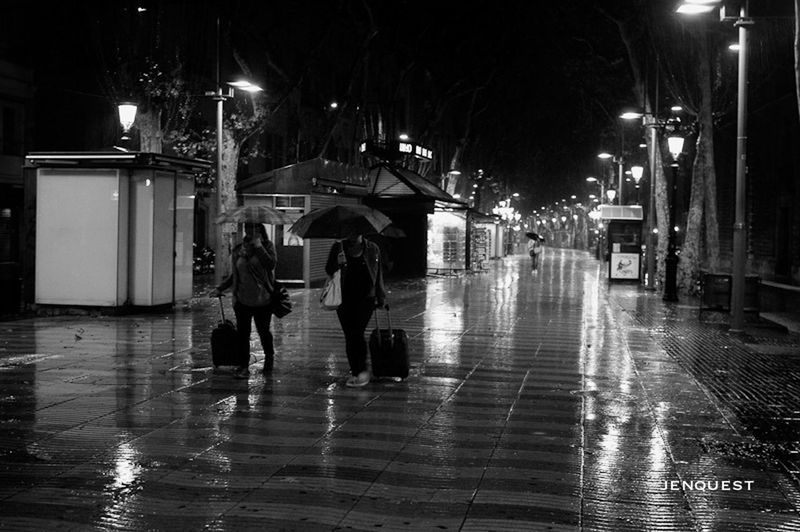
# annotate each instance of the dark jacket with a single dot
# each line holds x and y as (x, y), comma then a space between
(372, 257)
(261, 263)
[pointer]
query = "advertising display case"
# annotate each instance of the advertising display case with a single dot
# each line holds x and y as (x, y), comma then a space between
(624, 239)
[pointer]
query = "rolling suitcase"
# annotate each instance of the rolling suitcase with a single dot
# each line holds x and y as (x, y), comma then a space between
(388, 349)
(223, 342)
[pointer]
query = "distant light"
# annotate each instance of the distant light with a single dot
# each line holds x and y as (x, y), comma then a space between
(334, 105)
(456, 195)
(454, 172)
(734, 47)
(605, 155)
(141, 9)
(637, 172)
(630, 115)
(403, 136)
(676, 108)
(591, 179)
(642, 145)
(475, 185)
(515, 194)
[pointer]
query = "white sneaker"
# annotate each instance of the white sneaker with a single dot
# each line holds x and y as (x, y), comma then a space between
(357, 381)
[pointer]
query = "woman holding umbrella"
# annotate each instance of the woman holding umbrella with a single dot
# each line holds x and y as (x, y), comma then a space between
(362, 292)
(534, 248)
(361, 272)
(252, 281)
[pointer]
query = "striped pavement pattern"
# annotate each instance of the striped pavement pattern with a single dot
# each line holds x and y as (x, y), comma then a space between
(535, 402)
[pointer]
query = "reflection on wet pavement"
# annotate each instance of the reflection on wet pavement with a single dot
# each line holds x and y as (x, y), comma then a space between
(536, 401)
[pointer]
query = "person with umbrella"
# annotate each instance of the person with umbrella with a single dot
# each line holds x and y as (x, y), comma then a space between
(361, 272)
(362, 292)
(534, 249)
(252, 280)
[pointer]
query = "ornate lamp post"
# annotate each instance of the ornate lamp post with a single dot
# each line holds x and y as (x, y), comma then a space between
(636, 172)
(675, 143)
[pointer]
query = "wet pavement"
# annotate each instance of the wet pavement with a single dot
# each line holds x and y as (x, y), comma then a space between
(546, 401)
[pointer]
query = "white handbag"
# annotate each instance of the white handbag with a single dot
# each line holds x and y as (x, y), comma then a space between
(331, 296)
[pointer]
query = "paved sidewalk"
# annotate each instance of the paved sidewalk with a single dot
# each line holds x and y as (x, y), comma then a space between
(546, 401)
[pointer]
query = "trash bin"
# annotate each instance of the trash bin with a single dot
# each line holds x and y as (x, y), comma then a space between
(10, 287)
(715, 292)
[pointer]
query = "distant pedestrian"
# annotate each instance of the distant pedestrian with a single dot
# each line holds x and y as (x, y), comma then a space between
(252, 280)
(535, 250)
(362, 292)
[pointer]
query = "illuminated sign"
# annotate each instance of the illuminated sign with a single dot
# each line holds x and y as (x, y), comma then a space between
(406, 147)
(424, 153)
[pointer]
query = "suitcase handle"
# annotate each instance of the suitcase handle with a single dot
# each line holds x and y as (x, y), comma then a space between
(388, 321)
(221, 307)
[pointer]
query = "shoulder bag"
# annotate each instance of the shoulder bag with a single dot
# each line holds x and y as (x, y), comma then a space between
(331, 296)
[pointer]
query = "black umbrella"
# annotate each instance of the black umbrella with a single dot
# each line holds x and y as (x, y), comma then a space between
(533, 235)
(340, 221)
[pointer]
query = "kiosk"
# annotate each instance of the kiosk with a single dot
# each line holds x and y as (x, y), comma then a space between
(111, 229)
(624, 237)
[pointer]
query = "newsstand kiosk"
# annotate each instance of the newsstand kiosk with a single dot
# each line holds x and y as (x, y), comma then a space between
(109, 229)
(624, 237)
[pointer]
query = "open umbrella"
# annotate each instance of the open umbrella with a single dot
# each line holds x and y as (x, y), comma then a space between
(340, 221)
(392, 231)
(532, 236)
(254, 214)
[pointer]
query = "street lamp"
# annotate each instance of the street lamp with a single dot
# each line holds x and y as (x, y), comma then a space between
(611, 194)
(636, 172)
(738, 278)
(127, 116)
(675, 143)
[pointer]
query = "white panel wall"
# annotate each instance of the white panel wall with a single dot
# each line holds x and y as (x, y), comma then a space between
(141, 238)
(163, 237)
(184, 237)
(80, 247)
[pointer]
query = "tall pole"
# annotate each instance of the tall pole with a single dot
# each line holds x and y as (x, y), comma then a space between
(739, 257)
(651, 214)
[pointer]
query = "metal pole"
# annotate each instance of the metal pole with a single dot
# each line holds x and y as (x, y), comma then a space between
(621, 177)
(651, 214)
(739, 257)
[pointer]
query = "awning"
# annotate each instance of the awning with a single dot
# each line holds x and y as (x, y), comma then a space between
(390, 182)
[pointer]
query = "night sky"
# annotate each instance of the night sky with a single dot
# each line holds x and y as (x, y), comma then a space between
(554, 77)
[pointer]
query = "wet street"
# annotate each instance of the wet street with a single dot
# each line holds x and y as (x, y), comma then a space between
(536, 401)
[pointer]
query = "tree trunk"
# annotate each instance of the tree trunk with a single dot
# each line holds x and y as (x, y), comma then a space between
(150, 134)
(689, 263)
(662, 213)
(227, 191)
(797, 51)
(702, 205)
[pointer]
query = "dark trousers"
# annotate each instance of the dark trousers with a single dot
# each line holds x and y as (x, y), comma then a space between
(354, 318)
(262, 316)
